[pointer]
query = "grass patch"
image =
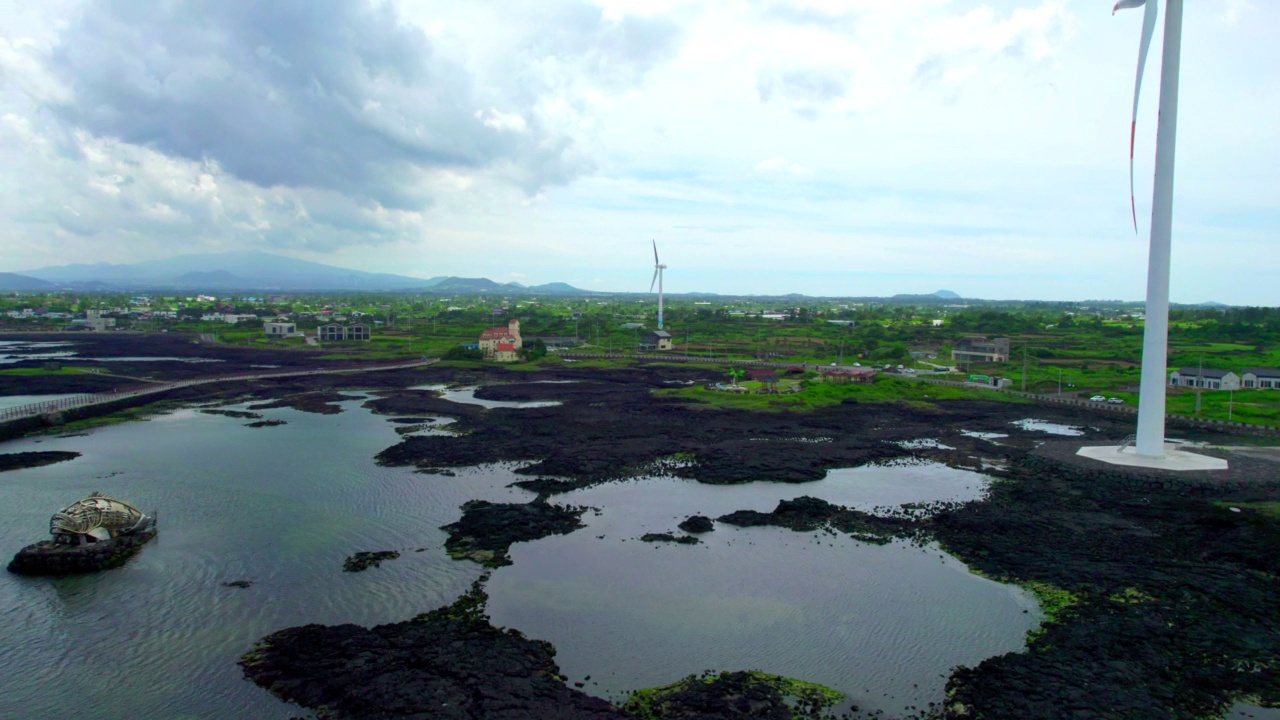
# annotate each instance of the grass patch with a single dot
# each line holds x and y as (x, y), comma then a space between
(1266, 508)
(807, 699)
(815, 394)
(142, 412)
(24, 372)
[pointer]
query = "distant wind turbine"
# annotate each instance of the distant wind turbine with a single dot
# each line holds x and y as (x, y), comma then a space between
(658, 267)
(1151, 400)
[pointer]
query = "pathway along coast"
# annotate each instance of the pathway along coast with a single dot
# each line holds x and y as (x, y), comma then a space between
(1161, 598)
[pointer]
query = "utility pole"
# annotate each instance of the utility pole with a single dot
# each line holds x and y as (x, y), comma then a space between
(1199, 382)
(1059, 382)
(1024, 367)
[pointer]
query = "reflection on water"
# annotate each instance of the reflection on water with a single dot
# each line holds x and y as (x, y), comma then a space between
(467, 396)
(1048, 427)
(884, 624)
(159, 638)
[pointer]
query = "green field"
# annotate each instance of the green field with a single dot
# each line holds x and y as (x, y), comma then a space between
(815, 394)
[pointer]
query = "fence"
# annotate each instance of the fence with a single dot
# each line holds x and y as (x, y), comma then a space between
(78, 401)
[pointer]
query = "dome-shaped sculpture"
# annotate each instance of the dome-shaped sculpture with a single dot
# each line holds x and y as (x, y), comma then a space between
(92, 534)
(96, 518)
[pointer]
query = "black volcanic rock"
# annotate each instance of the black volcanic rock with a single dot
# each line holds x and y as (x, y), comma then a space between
(449, 664)
(486, 530)
(17, 461)
(364, 560)
(697, 524)
(668, 537)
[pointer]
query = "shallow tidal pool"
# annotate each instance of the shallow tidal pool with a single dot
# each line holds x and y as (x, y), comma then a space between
(283, 506)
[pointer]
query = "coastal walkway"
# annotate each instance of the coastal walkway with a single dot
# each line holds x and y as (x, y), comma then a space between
(84, 400)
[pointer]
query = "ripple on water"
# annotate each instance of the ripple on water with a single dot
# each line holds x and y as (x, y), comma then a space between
(160, 637)
(810, 605)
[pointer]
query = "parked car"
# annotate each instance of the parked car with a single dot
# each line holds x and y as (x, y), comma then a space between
(1099, 398)
(1115, 401)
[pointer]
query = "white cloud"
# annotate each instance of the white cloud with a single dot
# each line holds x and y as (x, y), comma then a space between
(979, 139)
(506, 122)
(780, 165)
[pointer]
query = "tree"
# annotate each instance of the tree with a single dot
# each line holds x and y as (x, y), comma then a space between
(535, 350)
(461, 352)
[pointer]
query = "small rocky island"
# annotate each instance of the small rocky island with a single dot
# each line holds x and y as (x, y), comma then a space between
(92, 534)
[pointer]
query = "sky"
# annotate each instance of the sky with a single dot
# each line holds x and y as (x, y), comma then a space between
(824, 147)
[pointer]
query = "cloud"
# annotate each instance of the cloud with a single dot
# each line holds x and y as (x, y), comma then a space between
(806, 90)
(781, 166)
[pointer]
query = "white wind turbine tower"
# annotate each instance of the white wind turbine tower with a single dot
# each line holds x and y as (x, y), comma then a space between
(1149, 450)
(658, 267)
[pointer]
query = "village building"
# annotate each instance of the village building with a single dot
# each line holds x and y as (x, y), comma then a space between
(508, 334)
(94, 321)
(855, 375)
(335, 332)
(505, 352)
(1260, 377)
(980, 350)
(657, 340)
(1207, 378)
(280, 329)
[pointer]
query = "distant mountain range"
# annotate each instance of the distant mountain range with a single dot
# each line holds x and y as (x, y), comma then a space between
(257, 271)
(10, 282)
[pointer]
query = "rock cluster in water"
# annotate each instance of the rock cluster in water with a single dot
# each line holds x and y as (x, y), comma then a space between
(20, 460)
(365, 560)
(449, 664)
(809, 513)
(668, 537)
(49, 558)
(697, 524)
(486, 530)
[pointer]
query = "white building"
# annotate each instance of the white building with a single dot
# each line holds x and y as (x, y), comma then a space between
(280, 329)
(1207, 378)
(1261, 377)
(334, 331)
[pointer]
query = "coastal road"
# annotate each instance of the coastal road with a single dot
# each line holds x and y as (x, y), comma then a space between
(85, 400)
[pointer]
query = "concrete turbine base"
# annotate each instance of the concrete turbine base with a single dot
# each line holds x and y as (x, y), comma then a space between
(1175, 458)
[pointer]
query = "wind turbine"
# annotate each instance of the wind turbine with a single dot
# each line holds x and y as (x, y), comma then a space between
(658, 267)
(1155, 340)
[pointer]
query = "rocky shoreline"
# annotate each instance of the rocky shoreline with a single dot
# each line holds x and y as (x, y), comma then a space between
(1165, 598)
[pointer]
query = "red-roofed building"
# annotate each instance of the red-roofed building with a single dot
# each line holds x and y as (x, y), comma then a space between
(856, 375)
(505, 352)
(495, 339)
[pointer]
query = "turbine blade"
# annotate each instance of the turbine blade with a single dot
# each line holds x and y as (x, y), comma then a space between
(655, 279)
(655, 253)
(1150, 9)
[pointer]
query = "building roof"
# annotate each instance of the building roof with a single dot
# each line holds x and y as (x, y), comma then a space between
(1206, 372)
(497, 333)
(659, 333)
(505, 347)
(1265, 372)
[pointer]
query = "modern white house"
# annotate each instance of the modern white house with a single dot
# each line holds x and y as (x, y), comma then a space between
(1206, 378)
(280, 329)
(1260, 377)
(980, 350)
(334, 331)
